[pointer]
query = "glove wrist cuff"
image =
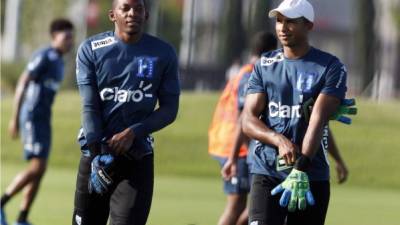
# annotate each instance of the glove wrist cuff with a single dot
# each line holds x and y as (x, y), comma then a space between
(303, 163)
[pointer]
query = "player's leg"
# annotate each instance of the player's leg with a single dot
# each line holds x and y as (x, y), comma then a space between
(313, 215)
(89, 209)
(36, 140)
(264, 208)
(236, 190)
(244, 217)
(131, 200)
(37, 168)
(235, 205)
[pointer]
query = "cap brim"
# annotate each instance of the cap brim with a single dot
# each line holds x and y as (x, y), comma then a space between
(286, 12)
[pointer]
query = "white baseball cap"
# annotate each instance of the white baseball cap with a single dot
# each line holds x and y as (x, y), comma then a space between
(294, 9)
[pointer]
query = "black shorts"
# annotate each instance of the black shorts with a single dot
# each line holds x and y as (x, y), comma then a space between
(265, 208)
(128, 202)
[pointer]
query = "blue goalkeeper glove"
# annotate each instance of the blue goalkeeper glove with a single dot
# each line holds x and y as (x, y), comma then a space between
(102, 172)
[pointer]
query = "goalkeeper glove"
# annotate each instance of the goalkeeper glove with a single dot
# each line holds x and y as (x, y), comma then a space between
(102, 172)
(296, 188)
(345, 108)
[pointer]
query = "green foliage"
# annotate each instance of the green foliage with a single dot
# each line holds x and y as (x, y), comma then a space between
(35, 21)
(369, 146)
(2, 15)
(396, 16)
(10, 73)
(170, 22)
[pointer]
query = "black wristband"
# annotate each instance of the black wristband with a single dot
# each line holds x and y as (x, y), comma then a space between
(303, 163)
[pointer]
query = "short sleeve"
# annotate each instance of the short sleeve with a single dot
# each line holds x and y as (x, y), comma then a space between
(335, 80)
(85, 72)
(170, 78)
(37, 65)
(255, 84)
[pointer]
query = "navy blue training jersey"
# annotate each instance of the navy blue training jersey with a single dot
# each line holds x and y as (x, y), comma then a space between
(46, 70)
(288, 84)
(121, 83)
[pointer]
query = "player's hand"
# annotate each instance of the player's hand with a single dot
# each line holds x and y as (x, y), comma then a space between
(287, 150)
(229, 169)
(342, 172)
(296, 191)
(347, 107)
(121, 142)
(13, 128)
(101, 176)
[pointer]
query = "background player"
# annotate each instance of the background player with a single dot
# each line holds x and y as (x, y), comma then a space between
(121, 76)
(34, 96)
(227, 144)
(282, 81)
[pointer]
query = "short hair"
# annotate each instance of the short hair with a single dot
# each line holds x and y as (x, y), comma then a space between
(60, 25)
(113, 4)
(263, 42)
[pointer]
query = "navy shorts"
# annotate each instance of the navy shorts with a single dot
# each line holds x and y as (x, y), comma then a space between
(36, 138)
(241, 183)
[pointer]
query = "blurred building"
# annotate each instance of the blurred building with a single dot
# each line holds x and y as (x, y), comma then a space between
(343, 28)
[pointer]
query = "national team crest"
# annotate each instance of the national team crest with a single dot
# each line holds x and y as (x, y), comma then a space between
(305, 81)
(146, 66)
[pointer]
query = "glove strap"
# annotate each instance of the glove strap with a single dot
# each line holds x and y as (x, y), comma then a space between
(303, 163)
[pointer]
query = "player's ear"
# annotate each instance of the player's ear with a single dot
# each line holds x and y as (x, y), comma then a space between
(111, 15)
(146, 15)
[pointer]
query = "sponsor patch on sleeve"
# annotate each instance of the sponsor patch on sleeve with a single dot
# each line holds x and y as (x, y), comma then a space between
(265, 61)
(103, 43)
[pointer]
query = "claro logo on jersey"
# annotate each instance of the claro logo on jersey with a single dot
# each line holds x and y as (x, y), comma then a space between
(119, 95)
(283, 111)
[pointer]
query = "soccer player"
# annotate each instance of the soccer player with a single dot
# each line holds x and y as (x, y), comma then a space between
(289, 152)
(129, 88)
(227, 144)
(34, 96)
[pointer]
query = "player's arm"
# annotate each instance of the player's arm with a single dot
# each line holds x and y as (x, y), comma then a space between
(229, 168)
(254, 128)
(20, 90)
(165, 114)
(33, 70)
(326, 105)
(168, 103)
(341, 168)
(92, 122)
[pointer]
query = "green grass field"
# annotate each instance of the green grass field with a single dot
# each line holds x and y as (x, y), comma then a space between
(199, 201)
(188, 189)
